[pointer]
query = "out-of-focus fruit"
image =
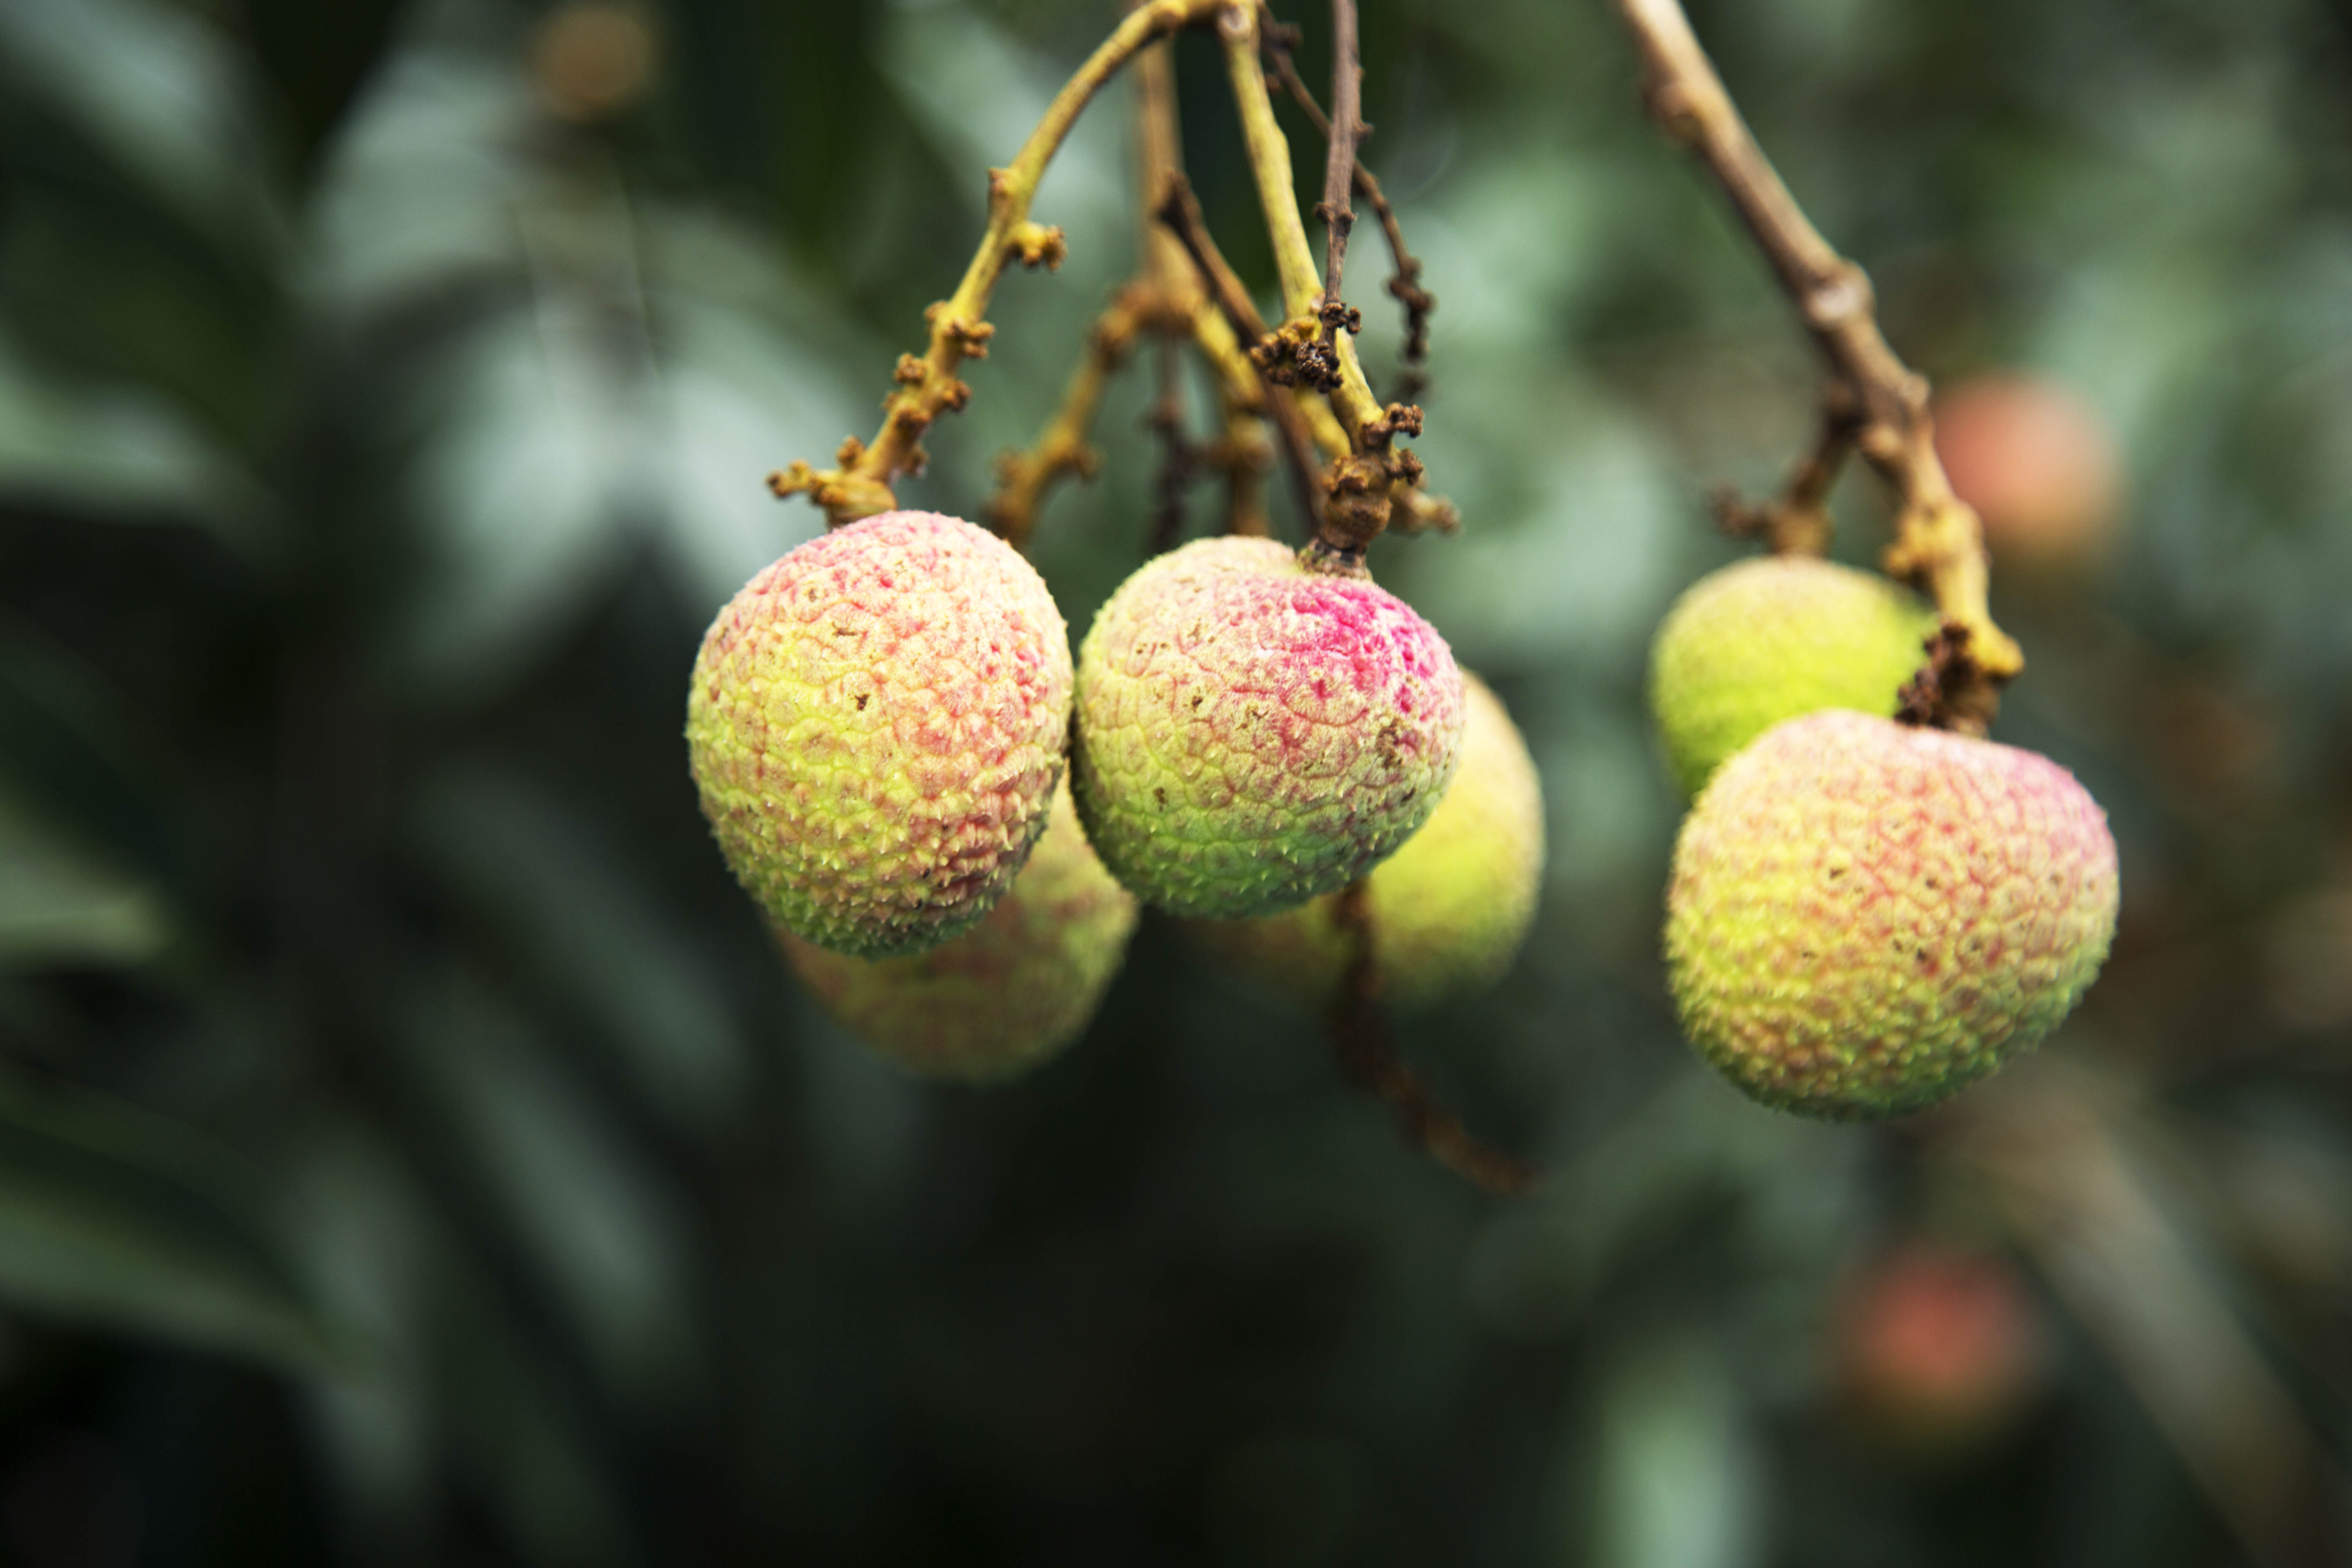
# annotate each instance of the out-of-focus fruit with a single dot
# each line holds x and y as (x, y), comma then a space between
(1934, 1349)
(2040, 466)
(594, 58)
(1447, 913)
(1767, 639)
(1006, 995)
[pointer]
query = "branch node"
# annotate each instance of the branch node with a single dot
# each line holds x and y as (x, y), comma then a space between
(1039, 244)
(1875, 404)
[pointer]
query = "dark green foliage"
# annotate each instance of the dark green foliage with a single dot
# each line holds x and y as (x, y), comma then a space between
(413, 1150)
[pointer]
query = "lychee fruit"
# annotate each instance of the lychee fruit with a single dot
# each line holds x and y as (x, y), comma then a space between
(1864, 917)
(1769, 638)
(2040, 466)
(1933, 1347)
(1250, 733)
(877, 724)
(1446, 913)
(1006, 995)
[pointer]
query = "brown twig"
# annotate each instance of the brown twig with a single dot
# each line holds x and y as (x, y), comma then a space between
(1925, 701)
(1797, 521)
(1180, 213)
(1063, 447)
(1367, 1058)
(1405, 279)
(1938, 544)
(1346, 134)
(1244, 452)
(1179, 459)
(858, 485)
(1164, 298)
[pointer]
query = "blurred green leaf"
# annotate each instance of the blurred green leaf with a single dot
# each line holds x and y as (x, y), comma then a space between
(115, 451)
(1676, 1483)
(121, 1220)
(73, 752)
(534, 454)
(59, 905)
(599, 1224)
(599, 943)
(157, 88)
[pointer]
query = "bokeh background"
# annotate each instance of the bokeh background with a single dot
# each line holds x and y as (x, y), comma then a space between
(411, 1150)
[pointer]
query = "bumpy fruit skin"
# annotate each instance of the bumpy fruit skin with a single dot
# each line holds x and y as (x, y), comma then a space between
(2040, 466)
(1006, 995)
(1767, 639)
(1863, 917)
(1447, 912)
(876, 724)
(1250, 733)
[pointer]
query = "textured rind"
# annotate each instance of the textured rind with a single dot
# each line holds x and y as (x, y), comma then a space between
(1249, 735)
(1769, 638)
(1006, 995)
(876, 724)
(1863, 917)
(1448, 911)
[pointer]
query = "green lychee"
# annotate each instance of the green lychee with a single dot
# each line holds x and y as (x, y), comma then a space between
(1865, 917)
(1769, 638)
(1249, 733)
(876, 724)
(1447, 912)
(1006, 995)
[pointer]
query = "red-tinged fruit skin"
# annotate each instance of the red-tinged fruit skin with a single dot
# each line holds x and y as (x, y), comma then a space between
(1250, 734)
(877, 725)
(1865, 917)
(1447, 912)
(1007, 994)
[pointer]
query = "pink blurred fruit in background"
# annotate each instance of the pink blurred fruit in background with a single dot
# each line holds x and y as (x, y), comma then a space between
(1935, 1348)
(2039, 464)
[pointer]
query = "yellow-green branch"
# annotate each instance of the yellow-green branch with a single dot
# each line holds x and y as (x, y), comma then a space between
(928, 385)
(1293, 259)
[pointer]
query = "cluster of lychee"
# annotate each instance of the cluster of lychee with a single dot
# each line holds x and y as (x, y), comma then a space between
(1865, 914)
(950, 824)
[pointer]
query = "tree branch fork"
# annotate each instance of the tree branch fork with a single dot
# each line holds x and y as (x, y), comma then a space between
(1874, 404)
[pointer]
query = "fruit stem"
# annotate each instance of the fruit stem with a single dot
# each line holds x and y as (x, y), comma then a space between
(1062, 448)
(928, 387)
(1369, 1059)
(1939, 543)
(1341, 138)
(1247, 450)
(1179, 214)
(1293, 261)
(1404, 279)
(1166, 298)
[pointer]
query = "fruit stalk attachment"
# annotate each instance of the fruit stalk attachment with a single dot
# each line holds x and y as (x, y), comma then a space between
(1360, 488)
(1876, 405)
